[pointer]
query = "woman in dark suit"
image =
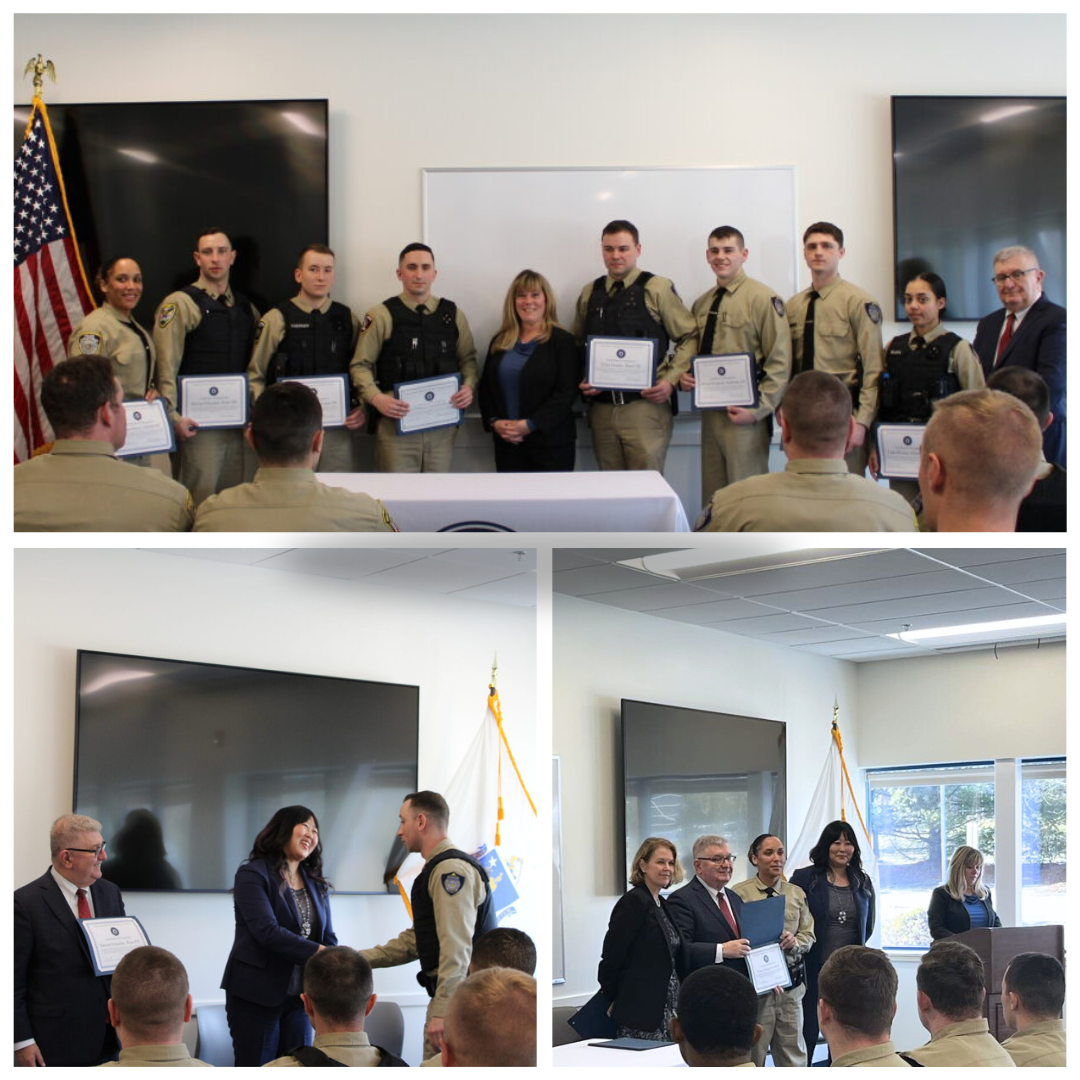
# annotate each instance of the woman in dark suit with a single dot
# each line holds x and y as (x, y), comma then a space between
(642, 959)
(963, 902)
(840, 896)
(529, 383)
(282, 910)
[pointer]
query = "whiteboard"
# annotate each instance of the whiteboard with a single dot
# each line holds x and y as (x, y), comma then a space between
(486, 225)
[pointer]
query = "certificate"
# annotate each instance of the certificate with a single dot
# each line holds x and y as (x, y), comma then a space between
(429, 403)
(898, 450)
(215, 401)
(619, 363)
(149, 429)
(333, 394)
(726, 380)
(768, 968)
(110, 940)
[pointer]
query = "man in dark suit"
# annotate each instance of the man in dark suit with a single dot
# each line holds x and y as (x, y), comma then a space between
(1029, 332)
(707, 913)
(61, 1006)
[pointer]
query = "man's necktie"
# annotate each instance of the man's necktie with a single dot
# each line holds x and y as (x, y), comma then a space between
(617, 288)
(710, 321)
(725, 910)
(808, 333)
(84, 904)
(421, 309)
(1006, 337)
(770, 892)
(918, 342)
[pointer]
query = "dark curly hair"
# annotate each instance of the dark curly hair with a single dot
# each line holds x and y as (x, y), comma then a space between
(270, 844)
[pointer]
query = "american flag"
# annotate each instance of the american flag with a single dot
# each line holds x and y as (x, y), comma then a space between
(51, 291)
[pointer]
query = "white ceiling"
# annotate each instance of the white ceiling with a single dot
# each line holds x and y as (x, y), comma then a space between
(497, 575)
(838, 603)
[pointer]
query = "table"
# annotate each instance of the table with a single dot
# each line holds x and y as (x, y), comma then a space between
(639, 502)
(581, 1055)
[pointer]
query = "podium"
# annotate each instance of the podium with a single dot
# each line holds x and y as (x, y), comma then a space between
(996, 947)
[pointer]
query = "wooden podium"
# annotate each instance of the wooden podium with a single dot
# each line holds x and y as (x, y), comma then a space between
(996, 948)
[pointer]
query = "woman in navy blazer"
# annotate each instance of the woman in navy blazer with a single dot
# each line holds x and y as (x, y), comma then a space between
(282, 907)
(952, 904)
(530, 382)
(836, 870)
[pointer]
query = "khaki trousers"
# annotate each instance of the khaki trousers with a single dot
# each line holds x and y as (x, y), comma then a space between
(426, 451)
(213, 460)
(781, 1019)
(730, 452)
(338, 451)
(631, 436)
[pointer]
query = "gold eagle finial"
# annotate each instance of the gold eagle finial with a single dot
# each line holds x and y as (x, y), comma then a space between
(39, 66)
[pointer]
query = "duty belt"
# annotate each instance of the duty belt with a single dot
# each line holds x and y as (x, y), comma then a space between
(617, 397)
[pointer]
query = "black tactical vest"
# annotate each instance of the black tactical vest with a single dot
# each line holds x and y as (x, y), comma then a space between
(427, 939)
(625, 315)
(314, 344)
(221, 343)
(914, 379)
(420, 346)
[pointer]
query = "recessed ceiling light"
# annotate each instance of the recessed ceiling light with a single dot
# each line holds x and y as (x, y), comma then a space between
(980, 629)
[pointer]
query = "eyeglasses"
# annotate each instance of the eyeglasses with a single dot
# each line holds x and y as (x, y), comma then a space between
(717, 858)
(95, 851)
(1016, 275)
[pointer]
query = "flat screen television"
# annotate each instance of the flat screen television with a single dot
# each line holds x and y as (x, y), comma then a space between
(972, 175)
(143, 178)
(689, 773)
(184, 763)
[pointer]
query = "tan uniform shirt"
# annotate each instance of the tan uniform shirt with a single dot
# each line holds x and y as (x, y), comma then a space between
(797, 917)
(663, 304)
(291, 500)
(810, 495)
(751, 319)
(268, 334)
(349, 1047)
(965, 1044)
(141, 1057)
(177, 316)
(882, 1056)
(81, 487)
(376, 329)
(455, 918)
(1041, 1044)
(847, 338)
(105, 332)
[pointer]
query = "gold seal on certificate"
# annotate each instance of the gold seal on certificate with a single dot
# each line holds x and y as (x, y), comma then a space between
(215, 401)
(111, 939)
(723, 381)
(149, 429)
(429, 403)
(619, 363)
(898, 447)
(768, 968)
(333, 394)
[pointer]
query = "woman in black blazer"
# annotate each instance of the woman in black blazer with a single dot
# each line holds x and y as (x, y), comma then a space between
(642, 959)
(529, 383)
(282, 906)
(840, 896)
(953, 904)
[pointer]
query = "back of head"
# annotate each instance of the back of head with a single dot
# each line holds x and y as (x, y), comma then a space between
(717, 1010)
(951, 976)
(1038, 981)
(1026, 385)
(149, 990)
(339, 982)
(432, 805)
(989, 443)
(284, 422)
(817, 408)
(859, 986)
(491, 1020)
(74, 391)
(504, 947)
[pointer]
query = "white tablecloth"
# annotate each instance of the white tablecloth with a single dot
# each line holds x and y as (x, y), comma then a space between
(585, 1055)
(523, 502)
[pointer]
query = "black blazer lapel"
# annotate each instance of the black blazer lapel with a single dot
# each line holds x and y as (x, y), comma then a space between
(57, 903)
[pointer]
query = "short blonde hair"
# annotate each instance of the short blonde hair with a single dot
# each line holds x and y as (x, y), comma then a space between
(963, 857)
(526, 281)
(645, 853)
(491, 1020)
(67, 830)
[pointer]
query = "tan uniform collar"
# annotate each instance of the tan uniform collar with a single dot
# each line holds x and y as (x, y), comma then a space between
(96, 447)
(826, 289)
(865, 1053)
(756, 883)
(342, 1038)
(977, 1026)
(440, 847)
(1042, 1027)
(278, 474)
(430, 304)
(305, 305)
(738, 280)
(817, 465)
(627, 281)
(211, 290)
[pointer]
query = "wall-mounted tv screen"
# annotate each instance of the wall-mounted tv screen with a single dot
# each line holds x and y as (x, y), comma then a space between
(143, 178)
(972, 175)
(184, 763)
(688, 773)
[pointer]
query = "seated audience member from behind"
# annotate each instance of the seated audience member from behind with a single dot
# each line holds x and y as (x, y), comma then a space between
(287, 435)
(1032, 997)
(816, 492)
(149, 1007)
(504, 947)
(856, 1006)
(950, 991)
(81, 486)
(338, 995)
(491, 1021)
(715, 1022)
(978, 462)
(1044, 509)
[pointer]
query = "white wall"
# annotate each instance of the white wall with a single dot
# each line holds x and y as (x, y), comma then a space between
(158, 604)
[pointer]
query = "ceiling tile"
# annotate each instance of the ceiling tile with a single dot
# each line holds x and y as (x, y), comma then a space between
(518, 591)
(713, 612)
(657, 596)
(1017, 571)
(771, 624)
(240, 556)
(820, 635)
(906, 608)
(599, 579)
(871, 591)
(499, 561)
(565, 559)
(432, 576)
(982, 556)
(348, 563)
(952, 618)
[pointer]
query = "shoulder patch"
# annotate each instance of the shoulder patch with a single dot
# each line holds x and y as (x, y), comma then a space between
(166, 314)
(452, 883)
(259, 329)
(89, 344)
(778, 306)
(874, 312)
(368, 320)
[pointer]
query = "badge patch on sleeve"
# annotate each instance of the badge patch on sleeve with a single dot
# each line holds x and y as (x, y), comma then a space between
(166, 314)
(89, 344)
(452, 883)
(874, 312)
(778, 306)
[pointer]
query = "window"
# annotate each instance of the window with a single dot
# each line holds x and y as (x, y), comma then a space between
(1042, 894)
